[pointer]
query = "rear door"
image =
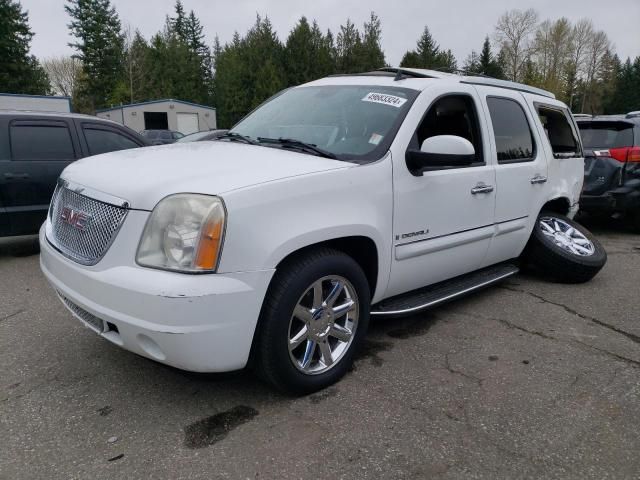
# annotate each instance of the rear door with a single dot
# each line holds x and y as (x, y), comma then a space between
(521, 170)
(40, 150)
(5, 158)
(97, 138)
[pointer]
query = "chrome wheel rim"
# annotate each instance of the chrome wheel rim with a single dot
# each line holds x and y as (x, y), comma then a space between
(566, 237)
(323, 325)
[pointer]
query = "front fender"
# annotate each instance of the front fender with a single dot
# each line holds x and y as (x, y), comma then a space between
(268, 222)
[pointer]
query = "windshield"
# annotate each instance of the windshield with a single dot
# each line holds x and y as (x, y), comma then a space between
(606, 134)
(351, 122)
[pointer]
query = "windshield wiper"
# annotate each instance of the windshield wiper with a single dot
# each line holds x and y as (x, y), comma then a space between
(298, 145)
(237, 138)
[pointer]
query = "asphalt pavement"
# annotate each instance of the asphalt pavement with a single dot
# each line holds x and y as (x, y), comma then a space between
(529, 379)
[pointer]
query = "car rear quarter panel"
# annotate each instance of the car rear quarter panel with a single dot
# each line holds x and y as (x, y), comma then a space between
(268, 222)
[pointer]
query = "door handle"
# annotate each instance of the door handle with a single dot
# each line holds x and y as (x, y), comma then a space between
(538, 179)
(16, 176)
(481, 188)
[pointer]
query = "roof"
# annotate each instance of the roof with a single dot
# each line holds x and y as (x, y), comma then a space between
(419, 79)
(163, 100)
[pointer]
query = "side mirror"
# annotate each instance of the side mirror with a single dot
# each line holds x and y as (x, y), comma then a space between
(441, 152)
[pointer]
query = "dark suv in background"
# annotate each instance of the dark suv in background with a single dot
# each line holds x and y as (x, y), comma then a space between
(34, 149)
(612, 165)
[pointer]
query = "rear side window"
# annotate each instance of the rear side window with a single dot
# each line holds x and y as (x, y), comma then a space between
(559, 131)
(514, 142)
(606, 134)
(165, 135)
(41, 142)
(151, 134)
(103, 141)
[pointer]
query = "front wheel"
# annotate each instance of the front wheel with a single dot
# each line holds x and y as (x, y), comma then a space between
(564, 250)
(313, 320)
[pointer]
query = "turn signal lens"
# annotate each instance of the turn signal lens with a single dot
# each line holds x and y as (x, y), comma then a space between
(209, 244)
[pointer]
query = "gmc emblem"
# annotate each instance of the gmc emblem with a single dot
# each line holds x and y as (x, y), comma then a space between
(75, 218)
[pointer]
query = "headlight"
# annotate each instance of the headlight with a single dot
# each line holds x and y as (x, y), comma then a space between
(184, 233)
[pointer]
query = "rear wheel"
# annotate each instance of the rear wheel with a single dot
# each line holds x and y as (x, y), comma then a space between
(314, 318)
(564, 250)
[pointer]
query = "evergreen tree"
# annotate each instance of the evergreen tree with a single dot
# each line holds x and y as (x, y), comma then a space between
(428, 55)
(348, 46)
(371, 54)
(19, 71)
(248, 71)
(300, 54)
(488, 65)
(179, 22)
(325, 61)
(100, 47)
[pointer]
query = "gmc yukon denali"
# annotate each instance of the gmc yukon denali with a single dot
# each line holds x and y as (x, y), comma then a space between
(376, 194)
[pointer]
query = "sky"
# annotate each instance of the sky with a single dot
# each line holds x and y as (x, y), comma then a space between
(459, 25)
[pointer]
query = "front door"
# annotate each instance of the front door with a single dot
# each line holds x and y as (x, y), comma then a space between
(443, 219)
(40, 150)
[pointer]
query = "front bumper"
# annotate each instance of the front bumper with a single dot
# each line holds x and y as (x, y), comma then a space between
(202, 323)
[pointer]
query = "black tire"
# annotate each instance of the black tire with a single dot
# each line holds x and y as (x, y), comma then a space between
(271, 358)
(561, 265)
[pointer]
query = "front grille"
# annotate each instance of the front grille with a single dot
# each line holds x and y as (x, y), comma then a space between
(92, 321)
(87, 241)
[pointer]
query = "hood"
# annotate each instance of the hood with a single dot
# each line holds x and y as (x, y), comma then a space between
(143, 176)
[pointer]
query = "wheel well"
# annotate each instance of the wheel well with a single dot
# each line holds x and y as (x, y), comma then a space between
(362, 249)
(558, 205)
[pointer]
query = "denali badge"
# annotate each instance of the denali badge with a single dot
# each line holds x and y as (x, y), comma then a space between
(75, 218)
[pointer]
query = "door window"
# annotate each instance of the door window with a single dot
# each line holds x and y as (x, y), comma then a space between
(451, 115)
(514, 141)
(41, 142)
(560, 133)
(103, 141)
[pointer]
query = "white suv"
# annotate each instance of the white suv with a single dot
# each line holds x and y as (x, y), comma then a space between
(375, 194)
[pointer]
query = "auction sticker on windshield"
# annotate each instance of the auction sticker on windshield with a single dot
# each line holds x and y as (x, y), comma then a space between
(385, 99)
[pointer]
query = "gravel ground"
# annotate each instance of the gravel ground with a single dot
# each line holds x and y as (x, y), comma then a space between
(526, 380)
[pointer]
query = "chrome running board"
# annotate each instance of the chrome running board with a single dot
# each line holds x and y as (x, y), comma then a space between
(433, 295)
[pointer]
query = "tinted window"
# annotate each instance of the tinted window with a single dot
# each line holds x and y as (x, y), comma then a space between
(165, 135)
(606, 134)
(151, 134)
(559, 131)
(103, 141)
(451, 115)
(511, 130)
(40, 142)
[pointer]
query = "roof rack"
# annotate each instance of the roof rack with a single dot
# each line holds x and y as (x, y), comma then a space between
(403, 73)
(494, 82)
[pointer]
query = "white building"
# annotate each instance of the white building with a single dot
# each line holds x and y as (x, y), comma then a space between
(38, 103)
(166, 114)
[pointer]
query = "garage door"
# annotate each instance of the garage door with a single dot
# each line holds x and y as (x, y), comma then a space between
(188, 123)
